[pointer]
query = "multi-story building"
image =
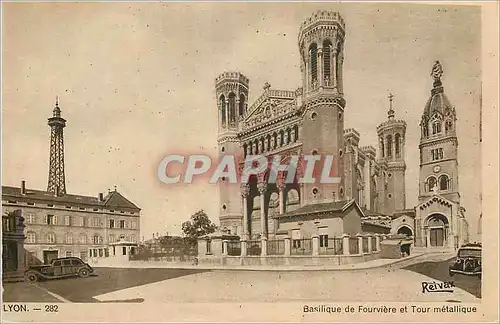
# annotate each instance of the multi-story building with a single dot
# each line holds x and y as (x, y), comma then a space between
(59, 224)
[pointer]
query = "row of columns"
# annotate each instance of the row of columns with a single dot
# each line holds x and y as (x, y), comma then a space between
(271, 142)
(332, 81)
(315, 244)
(384, 147)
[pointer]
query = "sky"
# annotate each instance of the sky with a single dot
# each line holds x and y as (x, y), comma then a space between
(136, 82)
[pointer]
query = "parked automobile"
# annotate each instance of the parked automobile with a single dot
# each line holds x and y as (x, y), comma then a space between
(58, 268)
(468, 261)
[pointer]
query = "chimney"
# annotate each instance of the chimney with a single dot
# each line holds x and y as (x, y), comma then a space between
(23, 187)
(101, 196)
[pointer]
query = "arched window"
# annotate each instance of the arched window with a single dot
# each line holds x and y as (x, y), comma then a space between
(282, 138)
(443, 182)
(83, 238)
(51, 238)
(397, 143)
(31, 237)
(68, 238)
(389, 146)
(436, 127)
(448, 126)
(222, 101)
(431, 183)
(232, 107)
(327, 50)
(313, 52)
(296, 127)
(241, 108)
(382, 147)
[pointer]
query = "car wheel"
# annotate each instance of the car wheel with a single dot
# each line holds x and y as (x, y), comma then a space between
(31, 277)
(83, 273)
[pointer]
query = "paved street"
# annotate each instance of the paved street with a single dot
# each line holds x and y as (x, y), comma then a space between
(400, 282)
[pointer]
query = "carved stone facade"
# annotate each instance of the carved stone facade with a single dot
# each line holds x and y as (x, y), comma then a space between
(305, 121)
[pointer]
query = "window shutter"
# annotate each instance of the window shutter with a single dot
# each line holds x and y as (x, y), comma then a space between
(55, 220)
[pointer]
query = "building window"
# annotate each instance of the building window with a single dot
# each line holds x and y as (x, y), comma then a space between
(313, 52)
(323, 240)
(67, 220)
(69, 253)
(397, 145)
(327, 46)
(222, 101)
(443, 182)
(122, 224)
(437, 154)
(134, 224)
(111, 238)
(30, 218)
(96, 222)
(132, 238)
(436, 127)
(209, 247)
(83, 255)
(124, 250)
(83, 239)
(51, 238)
(389, 146)
(232, 107)
(431, 183)
(31, 237)
(83, 221)
(68, 238)
(241, 108)
(97, 239)
(111, 223)
(448, 126)
(51, 220)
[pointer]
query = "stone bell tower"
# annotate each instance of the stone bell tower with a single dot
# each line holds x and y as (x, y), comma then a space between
(321, 44)
(232, 103)
(392, 135)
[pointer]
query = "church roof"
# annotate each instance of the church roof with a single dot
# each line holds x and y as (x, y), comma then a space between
(336, 209)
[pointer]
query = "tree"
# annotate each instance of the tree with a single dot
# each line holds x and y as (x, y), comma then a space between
(199, 225)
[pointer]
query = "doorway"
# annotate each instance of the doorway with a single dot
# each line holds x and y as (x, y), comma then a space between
(437, 236)
(48, 256)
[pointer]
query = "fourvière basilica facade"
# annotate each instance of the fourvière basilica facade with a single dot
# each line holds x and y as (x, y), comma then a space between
(371, 195)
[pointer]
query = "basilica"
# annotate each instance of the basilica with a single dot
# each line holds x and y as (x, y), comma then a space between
(371, 196)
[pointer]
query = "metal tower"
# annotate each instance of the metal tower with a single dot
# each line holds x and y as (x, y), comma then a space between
(57, 182)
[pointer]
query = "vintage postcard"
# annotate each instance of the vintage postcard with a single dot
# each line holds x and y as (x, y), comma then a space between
(249, 162)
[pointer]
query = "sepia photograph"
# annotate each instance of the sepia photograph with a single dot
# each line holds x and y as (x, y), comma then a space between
(323, 155)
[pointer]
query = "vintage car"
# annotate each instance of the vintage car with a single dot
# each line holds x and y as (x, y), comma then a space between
(58, 268)
(468, 261)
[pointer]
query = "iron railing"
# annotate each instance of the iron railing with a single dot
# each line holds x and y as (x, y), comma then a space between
(353, 245)
(365, 244)
(301, 247)
(254, 247)
(276, 247)
(234, 248)
(332, 246)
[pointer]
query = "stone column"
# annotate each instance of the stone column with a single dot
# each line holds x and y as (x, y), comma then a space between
(281, 190)
(224, 247)
(377, 242)
(288, 246)
(334, 68)
(315, 245)
(308, 72)
(320, 74)
(370, 248)
(360, 243)
(345, 244)
(263, 248)
(245, 190)
(262, 186)
(428, 237)
(243, 247)
(228, 122)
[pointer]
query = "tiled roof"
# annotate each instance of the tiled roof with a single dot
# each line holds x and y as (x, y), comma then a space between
(113, 200)
(334, 207)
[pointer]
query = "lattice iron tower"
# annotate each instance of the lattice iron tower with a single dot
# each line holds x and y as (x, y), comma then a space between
(57, 182)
